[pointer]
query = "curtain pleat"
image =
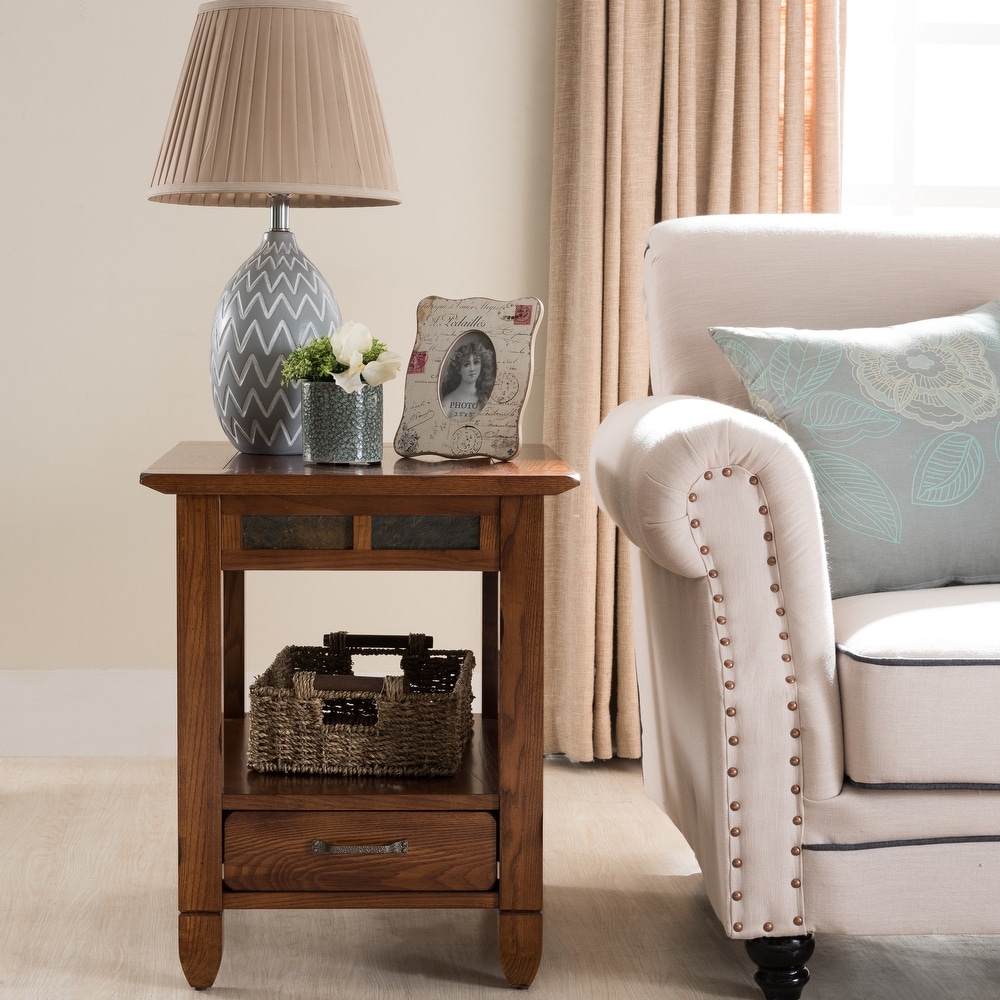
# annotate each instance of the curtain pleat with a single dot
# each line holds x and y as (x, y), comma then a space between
(769, 158)
(577, 256)
(828, 90)
(664, 108)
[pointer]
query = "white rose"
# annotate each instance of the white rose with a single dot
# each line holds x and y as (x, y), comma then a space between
(350, 381)
(349, 340)
(383, 368)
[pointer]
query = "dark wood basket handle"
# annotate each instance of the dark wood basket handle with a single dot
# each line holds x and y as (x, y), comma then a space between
(414, 642)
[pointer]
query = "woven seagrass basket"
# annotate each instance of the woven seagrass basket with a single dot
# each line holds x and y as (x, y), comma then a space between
(310, 714)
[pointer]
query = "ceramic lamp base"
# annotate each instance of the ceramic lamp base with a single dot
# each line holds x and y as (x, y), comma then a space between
(341, 428)
(274, 303)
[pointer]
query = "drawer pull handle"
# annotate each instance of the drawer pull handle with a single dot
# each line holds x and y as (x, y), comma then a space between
(396, 847)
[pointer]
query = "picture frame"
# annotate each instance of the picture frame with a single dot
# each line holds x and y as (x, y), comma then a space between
(468, 377)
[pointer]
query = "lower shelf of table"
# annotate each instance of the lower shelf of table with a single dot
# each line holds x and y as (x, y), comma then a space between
(474, 787)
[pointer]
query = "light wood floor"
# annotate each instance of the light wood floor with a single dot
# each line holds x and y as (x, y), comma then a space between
(87, 910)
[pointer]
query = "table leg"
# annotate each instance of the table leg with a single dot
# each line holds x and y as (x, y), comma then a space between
(520, 947)
(199, 938)
(520, 738)
(199, 738)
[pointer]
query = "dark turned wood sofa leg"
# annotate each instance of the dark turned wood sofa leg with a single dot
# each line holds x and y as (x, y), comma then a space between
(781, 965)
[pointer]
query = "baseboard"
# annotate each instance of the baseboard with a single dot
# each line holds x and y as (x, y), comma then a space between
(87, 713)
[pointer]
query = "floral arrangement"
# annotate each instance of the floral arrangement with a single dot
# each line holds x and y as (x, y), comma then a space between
(350, 356)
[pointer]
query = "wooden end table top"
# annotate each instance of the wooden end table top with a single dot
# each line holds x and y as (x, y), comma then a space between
(215, 468)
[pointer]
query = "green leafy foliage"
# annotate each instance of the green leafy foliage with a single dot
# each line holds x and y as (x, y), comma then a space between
(311, 362)
(315, 361)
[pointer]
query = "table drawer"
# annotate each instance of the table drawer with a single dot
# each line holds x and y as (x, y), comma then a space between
(302, 851)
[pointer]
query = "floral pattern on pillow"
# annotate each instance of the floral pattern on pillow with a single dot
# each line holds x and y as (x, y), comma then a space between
(943, 382)
(901, 428)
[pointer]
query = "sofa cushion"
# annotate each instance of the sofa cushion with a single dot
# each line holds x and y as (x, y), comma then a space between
(901, 427)
(920, 686)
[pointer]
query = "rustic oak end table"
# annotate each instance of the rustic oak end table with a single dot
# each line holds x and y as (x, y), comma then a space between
(474, 840)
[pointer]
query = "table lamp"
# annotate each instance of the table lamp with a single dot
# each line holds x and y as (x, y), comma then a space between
(276, 106)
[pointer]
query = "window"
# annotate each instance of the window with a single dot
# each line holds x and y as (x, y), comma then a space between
(920, 108)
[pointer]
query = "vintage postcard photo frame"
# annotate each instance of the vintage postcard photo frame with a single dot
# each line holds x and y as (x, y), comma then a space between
(468, 377)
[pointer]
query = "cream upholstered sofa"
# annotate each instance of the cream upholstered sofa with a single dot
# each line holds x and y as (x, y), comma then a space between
(812, 500)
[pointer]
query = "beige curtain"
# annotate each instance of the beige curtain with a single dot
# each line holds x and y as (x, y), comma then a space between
(664, 108)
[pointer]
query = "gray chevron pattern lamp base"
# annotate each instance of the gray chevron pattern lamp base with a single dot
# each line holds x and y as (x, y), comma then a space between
(275, 302)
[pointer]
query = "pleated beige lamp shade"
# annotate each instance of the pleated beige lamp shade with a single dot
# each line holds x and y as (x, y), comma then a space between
(276, 98)
(276, 106)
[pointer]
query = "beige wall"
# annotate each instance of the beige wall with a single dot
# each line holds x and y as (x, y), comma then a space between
(108, 301)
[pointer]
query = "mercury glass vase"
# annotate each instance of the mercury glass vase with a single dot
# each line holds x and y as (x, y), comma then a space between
(341, 428)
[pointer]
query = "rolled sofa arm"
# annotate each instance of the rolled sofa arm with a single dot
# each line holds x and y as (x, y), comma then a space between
(735, 646)
(648, 454)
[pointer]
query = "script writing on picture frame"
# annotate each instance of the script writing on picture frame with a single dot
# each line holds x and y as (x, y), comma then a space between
(468, 377)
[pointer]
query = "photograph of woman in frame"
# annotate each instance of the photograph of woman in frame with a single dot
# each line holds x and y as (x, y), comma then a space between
(468, 374)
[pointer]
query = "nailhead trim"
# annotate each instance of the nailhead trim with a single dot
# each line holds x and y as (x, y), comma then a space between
(795, 732)
(725, 641)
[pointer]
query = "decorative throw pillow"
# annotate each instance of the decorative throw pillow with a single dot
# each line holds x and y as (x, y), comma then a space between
(901, 427)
